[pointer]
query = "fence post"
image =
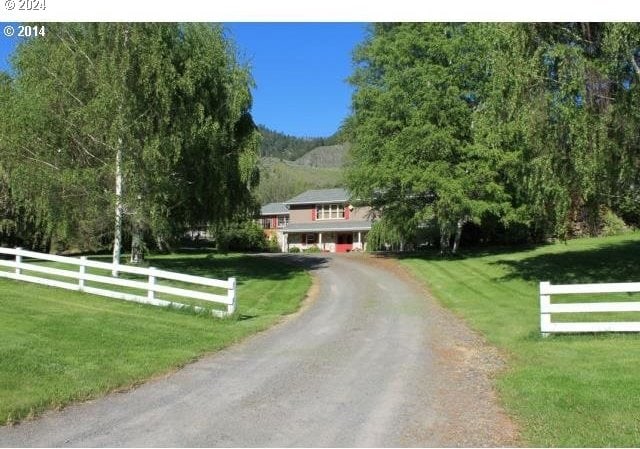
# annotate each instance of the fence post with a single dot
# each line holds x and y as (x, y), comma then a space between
(83, 267)
(152, 283)
(231, 294)
(545, 316)
(18, 260)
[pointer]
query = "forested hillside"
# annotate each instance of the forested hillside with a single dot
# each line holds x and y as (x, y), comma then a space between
(290, 165)
(281, 180)
(282, 146)
(331, 156)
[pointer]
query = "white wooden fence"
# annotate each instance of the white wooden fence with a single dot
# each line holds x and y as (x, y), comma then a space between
(546, 308)
(151, 287)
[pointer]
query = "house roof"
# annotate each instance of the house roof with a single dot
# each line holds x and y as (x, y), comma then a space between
(274, 209)
(322, 196)
(328, 226)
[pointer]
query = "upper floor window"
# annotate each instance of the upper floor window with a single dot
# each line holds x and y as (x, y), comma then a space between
(329, 211)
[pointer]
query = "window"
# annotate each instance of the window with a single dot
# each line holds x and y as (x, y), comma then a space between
(266, 223)
(329, 211)
(309, 239)
(283, 220)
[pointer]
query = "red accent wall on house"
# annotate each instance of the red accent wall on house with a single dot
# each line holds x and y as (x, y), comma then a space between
(313, 213)
(274, 222)
(346, 212)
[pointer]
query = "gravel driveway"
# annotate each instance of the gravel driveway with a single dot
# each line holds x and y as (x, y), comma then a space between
(371, 360)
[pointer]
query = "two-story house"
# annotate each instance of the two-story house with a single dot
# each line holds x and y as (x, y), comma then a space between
(327, 219)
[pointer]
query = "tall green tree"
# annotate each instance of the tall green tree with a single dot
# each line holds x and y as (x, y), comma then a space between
(413, 154)
(161, 109)
(528, 124)
(560, 108)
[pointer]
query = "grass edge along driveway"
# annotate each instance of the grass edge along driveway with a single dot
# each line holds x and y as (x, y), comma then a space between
(565, 390)
(59, 347)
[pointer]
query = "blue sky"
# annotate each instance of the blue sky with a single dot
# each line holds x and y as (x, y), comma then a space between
(300, 70)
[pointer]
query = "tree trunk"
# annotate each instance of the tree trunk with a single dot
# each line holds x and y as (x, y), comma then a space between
(117, 240)
(137, 247)
(444, 239)
(456, 240)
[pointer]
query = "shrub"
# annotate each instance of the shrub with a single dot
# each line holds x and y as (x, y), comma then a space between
(294, 249)
(244, 236)
(312, 249)
(272, 245)
(612, 224)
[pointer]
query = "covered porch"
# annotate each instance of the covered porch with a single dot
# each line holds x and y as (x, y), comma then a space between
(327, 237)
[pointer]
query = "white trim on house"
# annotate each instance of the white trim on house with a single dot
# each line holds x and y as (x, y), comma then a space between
(326, 211)
(329, 226)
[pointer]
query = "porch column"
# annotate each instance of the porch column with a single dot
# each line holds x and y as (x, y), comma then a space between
(359, 237)
(285, 242)
(320, 240)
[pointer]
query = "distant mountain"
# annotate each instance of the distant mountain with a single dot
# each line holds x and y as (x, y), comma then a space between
(290, 165)
(330, 156)
(281, 180)
(282, 146)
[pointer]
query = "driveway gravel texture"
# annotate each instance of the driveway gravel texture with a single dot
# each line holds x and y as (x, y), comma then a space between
(371, 360)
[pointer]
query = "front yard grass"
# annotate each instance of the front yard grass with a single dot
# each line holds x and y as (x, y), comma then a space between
(565, 390)
(57, 346)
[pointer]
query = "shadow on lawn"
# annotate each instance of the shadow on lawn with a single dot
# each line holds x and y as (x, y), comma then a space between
(619, 262)
(271, 267)
(465, 253)
(616, 262)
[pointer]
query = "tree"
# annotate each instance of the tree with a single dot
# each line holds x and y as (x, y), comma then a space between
(413, 154)
(532, 125)
(163, 107)
(559, 107)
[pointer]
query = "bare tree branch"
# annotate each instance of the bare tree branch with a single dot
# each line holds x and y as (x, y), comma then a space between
(87, 152)
(77, 47)
(63, 87)
(40, 161)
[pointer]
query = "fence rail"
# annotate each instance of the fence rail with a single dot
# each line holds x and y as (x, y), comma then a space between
(547, 308)
(150, 286)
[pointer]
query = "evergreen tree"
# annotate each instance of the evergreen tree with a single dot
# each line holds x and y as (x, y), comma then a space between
(413, 155)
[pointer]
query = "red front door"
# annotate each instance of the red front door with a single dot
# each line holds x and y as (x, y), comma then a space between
(345, 243)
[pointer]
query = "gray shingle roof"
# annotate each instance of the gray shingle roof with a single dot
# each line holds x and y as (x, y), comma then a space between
(329, 225)
(320, 197)
(274, 209)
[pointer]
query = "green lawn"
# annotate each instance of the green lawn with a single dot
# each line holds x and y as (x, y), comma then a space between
(565, 390)
(57, 346)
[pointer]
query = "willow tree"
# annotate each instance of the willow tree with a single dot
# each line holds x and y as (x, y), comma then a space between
(413, 155)
(143, 125)
(561, 102)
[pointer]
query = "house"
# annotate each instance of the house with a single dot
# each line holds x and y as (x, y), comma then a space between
(273, 218)
(326, 219)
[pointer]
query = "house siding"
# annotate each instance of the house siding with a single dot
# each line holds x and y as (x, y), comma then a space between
(360, 213)
(300, 214)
